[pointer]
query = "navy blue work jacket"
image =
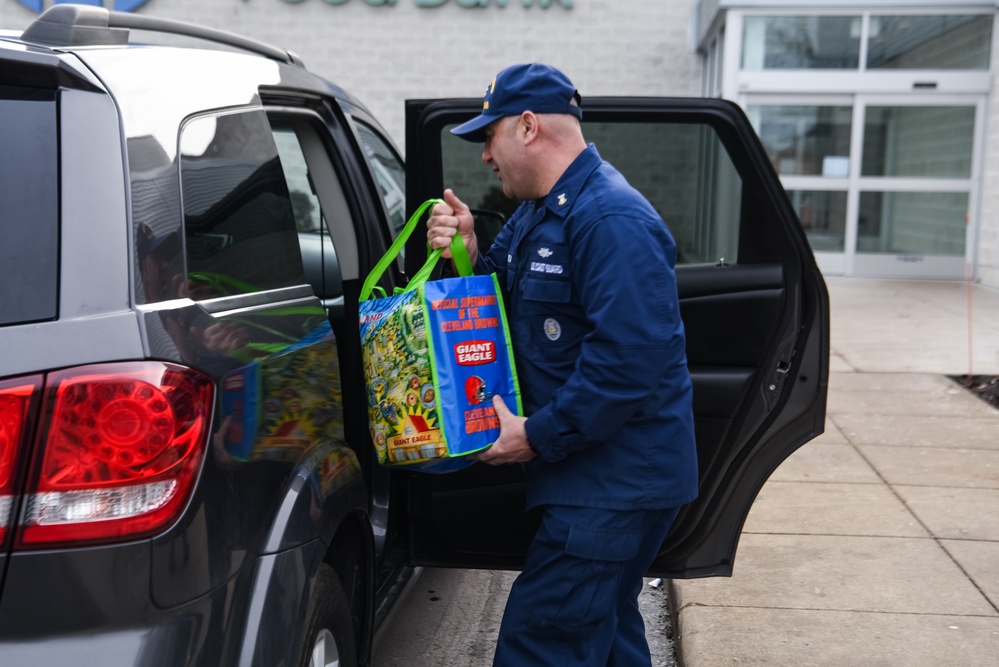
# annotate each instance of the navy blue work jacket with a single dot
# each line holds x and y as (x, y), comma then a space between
(590, 290)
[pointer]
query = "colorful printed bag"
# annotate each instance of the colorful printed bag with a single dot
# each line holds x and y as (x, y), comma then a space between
(435, 353)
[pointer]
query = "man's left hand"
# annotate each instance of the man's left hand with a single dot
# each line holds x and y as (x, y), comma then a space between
(511, 446)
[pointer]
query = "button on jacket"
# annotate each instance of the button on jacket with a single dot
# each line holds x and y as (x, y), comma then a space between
(590, 289)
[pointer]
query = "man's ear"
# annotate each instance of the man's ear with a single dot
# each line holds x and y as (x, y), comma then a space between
(529, 126)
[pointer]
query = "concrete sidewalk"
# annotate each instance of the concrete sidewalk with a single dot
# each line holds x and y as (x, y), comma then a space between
(878, 542)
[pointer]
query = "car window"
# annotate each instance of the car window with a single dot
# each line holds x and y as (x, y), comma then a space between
(239, 221)
(304, 202)
(681, 168)
(389, 174)
(29, 205)
(309, 173)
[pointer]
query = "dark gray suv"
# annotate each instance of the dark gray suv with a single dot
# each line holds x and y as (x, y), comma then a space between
(186, 471)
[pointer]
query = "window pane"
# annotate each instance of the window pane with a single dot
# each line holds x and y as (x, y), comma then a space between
(389, 174)
(823, 215)
(801, 42)
(29, 205)
(920, 223)
(805, 140)
(239, 223)
(929, 42)
(918, 141)
(319, 259)
(304, 203)
(683, 170)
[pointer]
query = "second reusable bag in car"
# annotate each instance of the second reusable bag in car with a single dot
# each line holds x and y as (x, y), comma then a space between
(435, 353)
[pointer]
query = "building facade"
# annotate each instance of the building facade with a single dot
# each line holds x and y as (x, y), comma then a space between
(879, 115)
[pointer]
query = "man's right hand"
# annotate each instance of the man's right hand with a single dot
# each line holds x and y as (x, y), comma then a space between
(450, 218)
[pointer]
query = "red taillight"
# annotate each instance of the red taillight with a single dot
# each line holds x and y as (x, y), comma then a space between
(119, 452)
(15, 401)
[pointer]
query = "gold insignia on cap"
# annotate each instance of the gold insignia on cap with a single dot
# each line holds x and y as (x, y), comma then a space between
(492, 86)
(562, 200)
(485, 105)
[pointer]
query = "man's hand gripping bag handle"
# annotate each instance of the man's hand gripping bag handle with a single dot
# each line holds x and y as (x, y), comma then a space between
(461, 260)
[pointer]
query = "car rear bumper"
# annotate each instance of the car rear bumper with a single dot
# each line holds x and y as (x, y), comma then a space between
(253, 618)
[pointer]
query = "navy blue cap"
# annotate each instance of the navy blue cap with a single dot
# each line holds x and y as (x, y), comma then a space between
(519, 88)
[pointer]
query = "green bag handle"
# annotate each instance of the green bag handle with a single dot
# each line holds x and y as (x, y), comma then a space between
(461, 260)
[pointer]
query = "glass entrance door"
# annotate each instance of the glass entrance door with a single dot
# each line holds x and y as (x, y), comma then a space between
(873, 118)
(884, 186)
(917, 190)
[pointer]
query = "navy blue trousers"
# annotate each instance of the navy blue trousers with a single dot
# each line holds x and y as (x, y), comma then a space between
(576, 601)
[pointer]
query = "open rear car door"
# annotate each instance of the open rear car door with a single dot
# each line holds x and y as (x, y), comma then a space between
(754, 305)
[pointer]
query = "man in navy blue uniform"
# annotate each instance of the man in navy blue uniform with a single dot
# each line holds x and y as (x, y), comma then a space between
(587, 268)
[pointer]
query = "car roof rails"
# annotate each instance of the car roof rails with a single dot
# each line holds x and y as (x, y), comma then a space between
(86, 25)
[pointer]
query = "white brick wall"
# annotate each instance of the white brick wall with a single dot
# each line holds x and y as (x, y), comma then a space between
(384, 55)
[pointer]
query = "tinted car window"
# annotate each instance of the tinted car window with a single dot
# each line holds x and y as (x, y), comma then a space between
(687, 175)
(293, 137)
(29, 204)
(304, 202)
(681, 168)
(239, 221)
(389, 173)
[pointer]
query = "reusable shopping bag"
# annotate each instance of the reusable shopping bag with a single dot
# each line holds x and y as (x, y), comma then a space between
(435, 353)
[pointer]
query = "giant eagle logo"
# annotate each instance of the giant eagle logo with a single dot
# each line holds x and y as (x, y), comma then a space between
(117, 5)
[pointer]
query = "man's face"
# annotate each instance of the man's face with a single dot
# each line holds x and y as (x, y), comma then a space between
(503, 153)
